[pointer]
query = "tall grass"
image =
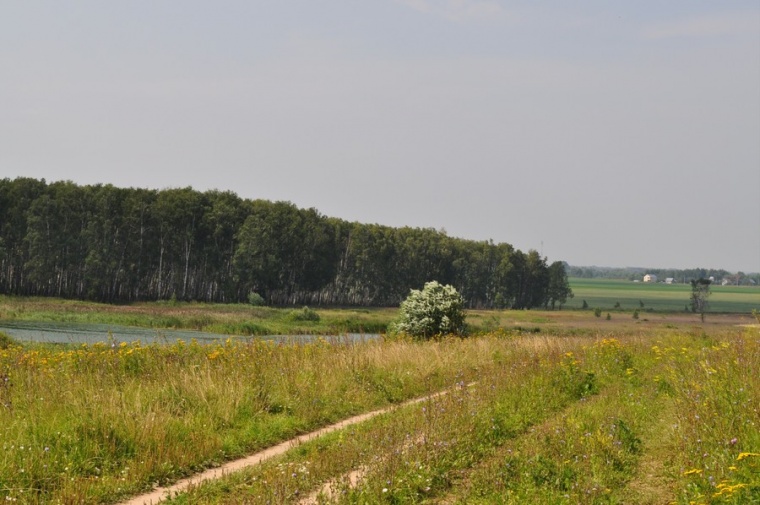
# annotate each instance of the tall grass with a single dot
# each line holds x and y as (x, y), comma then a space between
(550, 419)
(558, 421)
(96, 422)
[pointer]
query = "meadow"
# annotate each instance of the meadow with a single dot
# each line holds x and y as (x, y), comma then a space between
(579, 411)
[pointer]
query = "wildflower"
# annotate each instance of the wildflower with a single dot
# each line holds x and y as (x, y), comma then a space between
(693, 471)
(743, 455)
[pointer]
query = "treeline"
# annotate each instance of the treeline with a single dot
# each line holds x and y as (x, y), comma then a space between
(111, 244)
(683, 276)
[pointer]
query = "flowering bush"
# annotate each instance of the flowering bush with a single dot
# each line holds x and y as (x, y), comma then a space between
(435, 310)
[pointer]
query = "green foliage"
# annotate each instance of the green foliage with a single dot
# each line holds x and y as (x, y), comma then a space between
(6, 341)
(608, 316)
(700, 291)
(598, 312)
(636, 314)
(305, 314)
(585, 305)
(255, 299)
(110, 244)
(435, 310)
(558, 290)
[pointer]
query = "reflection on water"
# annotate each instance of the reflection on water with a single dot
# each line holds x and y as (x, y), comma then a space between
(90, 333)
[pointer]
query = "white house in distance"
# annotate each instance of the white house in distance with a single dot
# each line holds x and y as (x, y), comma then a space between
(650, 278)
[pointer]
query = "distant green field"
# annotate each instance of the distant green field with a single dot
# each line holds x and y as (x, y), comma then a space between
(605, 293)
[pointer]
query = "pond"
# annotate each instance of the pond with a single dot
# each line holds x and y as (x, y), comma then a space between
(91, 333)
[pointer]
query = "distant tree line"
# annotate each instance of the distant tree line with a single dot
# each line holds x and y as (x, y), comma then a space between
(111, 244)
(681, 276)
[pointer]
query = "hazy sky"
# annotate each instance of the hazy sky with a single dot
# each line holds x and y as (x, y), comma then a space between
(615, 133)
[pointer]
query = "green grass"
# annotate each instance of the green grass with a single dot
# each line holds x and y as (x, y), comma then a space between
(225, 319)
(605, 293)
(600, 418)
(597, 421)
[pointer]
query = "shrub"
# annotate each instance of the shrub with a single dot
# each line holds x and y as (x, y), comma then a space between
(434, 310)
(598, 312)
(6, 341)
(305, 314)
(255, 299)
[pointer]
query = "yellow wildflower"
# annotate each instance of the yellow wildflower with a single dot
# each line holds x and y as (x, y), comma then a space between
(743, 455)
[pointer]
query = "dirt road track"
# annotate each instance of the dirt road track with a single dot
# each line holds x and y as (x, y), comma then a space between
(160, 494)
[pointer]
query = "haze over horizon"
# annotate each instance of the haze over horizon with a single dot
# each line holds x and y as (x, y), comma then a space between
(596, 133)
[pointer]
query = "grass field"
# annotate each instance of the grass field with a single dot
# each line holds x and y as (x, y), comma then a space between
(585, 410)
(605, 293)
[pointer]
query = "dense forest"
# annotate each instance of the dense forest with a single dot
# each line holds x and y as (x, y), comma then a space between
(111, 244)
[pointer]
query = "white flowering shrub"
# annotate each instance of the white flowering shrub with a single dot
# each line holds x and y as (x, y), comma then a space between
(434, 310)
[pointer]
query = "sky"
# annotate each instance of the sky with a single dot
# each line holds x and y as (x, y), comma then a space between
(609, 133)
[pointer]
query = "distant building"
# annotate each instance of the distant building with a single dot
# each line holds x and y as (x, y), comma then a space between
(669, 280)
(650, 278)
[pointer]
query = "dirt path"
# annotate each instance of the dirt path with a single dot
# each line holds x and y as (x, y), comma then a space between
(160, 494)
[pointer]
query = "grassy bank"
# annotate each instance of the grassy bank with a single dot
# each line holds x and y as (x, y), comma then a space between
(593, 419)
(225, 319)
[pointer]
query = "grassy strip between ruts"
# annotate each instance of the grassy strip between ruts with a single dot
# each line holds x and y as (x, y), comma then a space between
(95, 424)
